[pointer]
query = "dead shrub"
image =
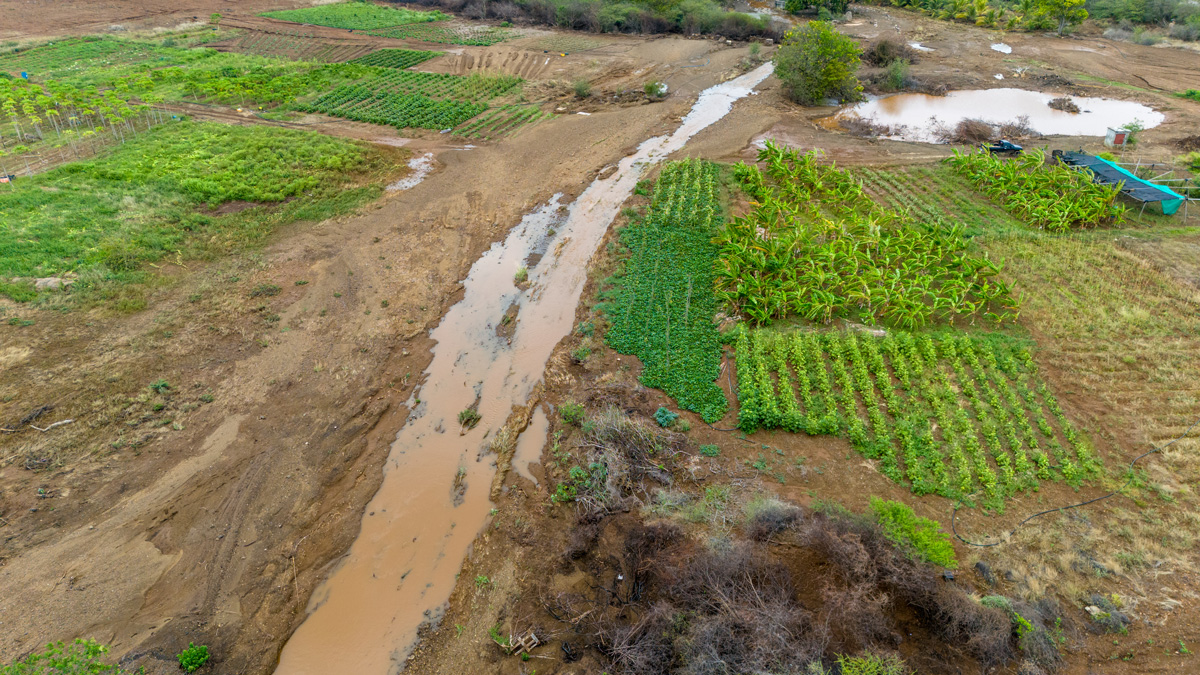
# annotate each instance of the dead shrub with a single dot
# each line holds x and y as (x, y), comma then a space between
(1106, 616)
(631, 451)
(867, 127)
(769, 518)
(1188, 143)
(884, 52)
(856, 616)
(1018, 128)
(973, 131)
(984, 632)
(1064, 104)
(581, 540)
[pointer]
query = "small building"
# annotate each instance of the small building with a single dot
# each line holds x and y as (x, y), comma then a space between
(1115, 138)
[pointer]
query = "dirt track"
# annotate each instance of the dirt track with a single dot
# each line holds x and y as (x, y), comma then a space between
(218, 532)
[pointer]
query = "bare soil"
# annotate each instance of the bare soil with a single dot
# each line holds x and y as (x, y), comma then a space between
(216, 525)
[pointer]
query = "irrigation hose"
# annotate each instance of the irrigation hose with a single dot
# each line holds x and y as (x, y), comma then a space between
(954, 513)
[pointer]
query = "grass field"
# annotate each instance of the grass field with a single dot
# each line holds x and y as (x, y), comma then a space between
(447, 33)
(355, 16)
(155, 197)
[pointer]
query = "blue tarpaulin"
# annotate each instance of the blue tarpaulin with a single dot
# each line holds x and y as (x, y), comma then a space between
(1131, 186)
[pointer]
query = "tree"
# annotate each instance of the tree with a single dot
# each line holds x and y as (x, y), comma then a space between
(1065, 12)
(816, 62)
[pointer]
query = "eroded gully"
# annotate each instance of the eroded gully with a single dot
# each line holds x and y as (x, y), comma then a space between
(418, 528)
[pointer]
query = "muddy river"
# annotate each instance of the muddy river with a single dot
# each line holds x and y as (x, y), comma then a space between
(916, 117)
(434, 498)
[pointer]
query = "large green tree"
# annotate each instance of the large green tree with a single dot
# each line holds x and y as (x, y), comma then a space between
(1063, 12)
(815, 62)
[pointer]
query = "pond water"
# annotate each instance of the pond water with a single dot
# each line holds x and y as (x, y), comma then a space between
(917, 117)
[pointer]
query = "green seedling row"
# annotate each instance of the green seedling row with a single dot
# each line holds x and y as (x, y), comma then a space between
(958, 415)
(363, 104)
(934, 194)
(662, 305)
(502, 121)
(395, 58)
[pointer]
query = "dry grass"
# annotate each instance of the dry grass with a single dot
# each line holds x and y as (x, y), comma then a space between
(1119, 318)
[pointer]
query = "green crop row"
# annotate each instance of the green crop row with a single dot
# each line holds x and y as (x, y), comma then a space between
(355, 15)
(363, 104)
(662, 305)
(953, 414)
(447, 33)
(934, 194)
(1051, 197)
(501, 121)
(475, 87)
(816, 245)
(395, 58)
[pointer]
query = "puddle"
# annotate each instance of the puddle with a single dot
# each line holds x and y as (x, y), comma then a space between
(530, 444)
(914, 117)
(920, 47)
(1002, 48)
(421, 166)
(400, 570)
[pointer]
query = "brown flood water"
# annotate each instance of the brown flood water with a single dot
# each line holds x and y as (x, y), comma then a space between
(530, 444)
(914, 117)
(418, 528)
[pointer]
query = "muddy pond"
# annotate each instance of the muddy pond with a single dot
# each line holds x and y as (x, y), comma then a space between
(920, 117)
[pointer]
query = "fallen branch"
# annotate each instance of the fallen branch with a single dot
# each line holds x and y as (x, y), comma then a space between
(56, 424)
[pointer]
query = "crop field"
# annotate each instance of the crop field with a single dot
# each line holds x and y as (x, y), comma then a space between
(566, 43)
(1055, 198)
(502, 121)
(146, 199)
(355, 16)
(817, 246)
(295, 45)
(963, 416)
(933, 193)
(407, 99)
(444, 32)
(662, 306)
(67, 59)
(395, 58)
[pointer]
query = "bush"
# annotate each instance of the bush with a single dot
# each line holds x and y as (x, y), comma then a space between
(871, 664)
(922, 536)
(583, 88)
(655, 89)
(884, 52)
(81, 657)
(896, 77)
(193, 657)
(468, 418)
(1186, 32)
(815, 62)
(665, 417)
(571, 412)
